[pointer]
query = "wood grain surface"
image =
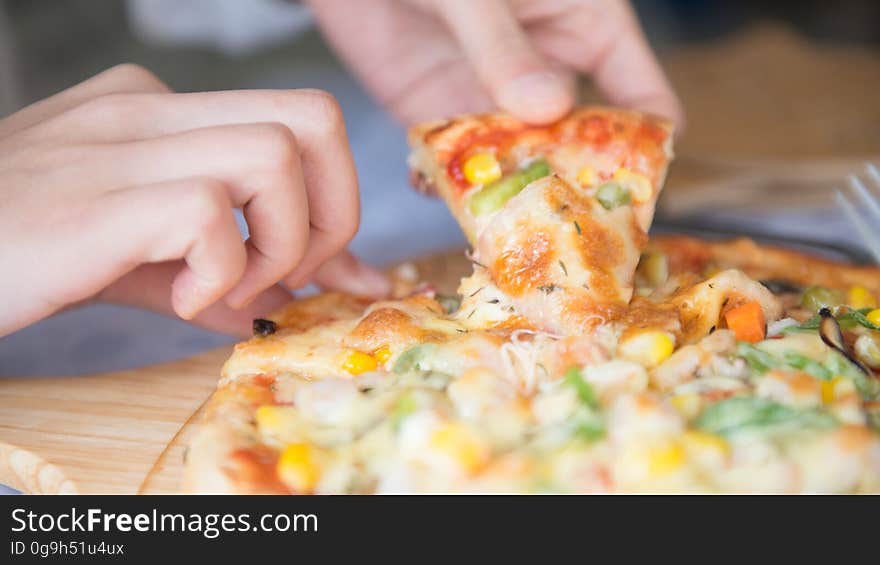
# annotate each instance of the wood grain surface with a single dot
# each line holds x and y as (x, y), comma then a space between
(101, 433)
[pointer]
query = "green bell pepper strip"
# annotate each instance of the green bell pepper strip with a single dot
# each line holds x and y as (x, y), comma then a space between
(493, 196)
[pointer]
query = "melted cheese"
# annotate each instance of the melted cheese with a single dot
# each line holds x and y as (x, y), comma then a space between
(566, 263)
(489, 402)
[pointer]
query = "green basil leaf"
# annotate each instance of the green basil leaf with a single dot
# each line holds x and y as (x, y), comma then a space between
(837, 364)
(809, 325)
(584, 390)
(749, 414)
(847, 320)
(589, 429)
(858, 316)
(868, 386)
(807, 365)
(760, 361)
(405, 405)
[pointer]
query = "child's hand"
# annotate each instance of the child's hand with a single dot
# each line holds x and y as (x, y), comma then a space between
(119, 189)
(436, 58)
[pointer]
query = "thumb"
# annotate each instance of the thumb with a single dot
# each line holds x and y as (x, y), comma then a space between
(518, 77)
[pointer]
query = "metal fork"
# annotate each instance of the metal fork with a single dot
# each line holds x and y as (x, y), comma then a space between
(861, 204)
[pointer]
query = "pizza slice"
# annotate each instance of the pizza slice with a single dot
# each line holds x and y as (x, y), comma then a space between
(557, 215)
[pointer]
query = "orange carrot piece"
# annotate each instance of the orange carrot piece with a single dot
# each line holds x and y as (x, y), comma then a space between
(747, 322)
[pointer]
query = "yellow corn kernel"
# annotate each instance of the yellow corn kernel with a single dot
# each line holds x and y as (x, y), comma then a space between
(298, 467)
(860, 297)
(638, 184)
(827, 392)
(382, 354)
(274, 419)
(648, 348)
(874, 316)
(482, 168)
(587, 176)
(706, 442)
(357, 362)
(828, 389)
(462, 445)
(665, 460)
(688, 405)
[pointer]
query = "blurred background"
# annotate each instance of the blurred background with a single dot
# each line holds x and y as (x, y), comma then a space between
(781, 99)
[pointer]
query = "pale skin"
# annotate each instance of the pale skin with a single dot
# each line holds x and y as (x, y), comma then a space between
(426, 59)
(122, 191)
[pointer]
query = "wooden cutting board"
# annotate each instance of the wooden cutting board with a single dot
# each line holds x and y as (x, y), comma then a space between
(125, 432)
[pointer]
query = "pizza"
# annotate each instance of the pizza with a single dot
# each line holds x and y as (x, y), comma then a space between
(557, 215)
(577, 356)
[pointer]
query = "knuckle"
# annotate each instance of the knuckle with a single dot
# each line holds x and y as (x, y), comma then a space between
(134, 75)
(325, 108)
(208, 205)
(106, 107)
(348, 226)
(236, 264)
(278, 146)
(287, 253)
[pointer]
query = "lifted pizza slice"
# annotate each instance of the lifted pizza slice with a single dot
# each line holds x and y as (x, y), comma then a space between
(557, 215)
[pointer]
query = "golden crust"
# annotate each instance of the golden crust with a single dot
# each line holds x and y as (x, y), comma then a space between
(597, 124)
(763, 262)
(224, 457)
(304, 313)
(615, 138)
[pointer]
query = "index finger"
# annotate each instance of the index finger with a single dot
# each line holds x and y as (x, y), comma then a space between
(313, 116)
(520, 80)
(627, 71)
(629, 75)
(604, 40)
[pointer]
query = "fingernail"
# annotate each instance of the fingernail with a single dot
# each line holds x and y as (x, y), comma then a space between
(367, 281)
(540, 96)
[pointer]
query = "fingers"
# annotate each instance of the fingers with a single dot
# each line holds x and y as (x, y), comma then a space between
(147, 287)
(125, 78)
(615, 52)
(260, 166)
(313, 116)
(347, 273)
(189, 218)
(629, 75)
(516, 75)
